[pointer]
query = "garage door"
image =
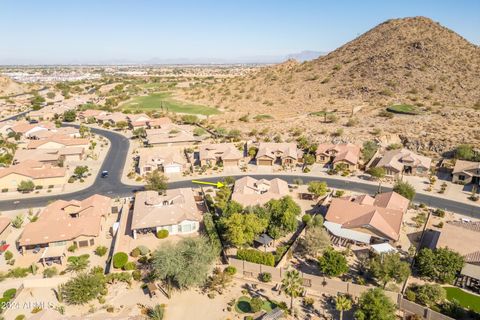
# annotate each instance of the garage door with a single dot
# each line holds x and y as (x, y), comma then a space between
(172, 169)
(83, 243)
(264, 162)
(229, 163)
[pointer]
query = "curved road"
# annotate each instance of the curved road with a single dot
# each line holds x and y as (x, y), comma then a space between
(113, 186)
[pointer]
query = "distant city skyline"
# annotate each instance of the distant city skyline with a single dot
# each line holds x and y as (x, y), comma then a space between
(187, 31)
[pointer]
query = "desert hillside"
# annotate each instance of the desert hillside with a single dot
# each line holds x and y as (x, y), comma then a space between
(413, 61)
(9, 87)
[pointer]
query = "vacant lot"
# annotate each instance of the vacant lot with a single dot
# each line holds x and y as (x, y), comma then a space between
(163, 101)
(465, 299)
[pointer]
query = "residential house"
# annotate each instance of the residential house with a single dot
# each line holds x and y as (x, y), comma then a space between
(403, 161)
(65, 223)
(158, 123)
(27, 129)
(176, 211)
(226, 154)
(59, 142)
(465, 172)
(91, 114)
(112, 118)
(343, 153)
(49, 113)
(52, 156)
(284, 154)
(62, 131)
(139, 120)
(167, 160)
(249, 191)
(41, 174)
(462, 236)
(171, 135)
(363, 219)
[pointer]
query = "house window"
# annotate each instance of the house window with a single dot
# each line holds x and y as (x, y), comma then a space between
(461, 177)
(147, 169)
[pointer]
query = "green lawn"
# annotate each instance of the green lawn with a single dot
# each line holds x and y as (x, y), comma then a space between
(404, 109)
(243, 305)
(155, 101)
(466, 300)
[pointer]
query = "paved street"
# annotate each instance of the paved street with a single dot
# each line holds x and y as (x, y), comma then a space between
(115, 161)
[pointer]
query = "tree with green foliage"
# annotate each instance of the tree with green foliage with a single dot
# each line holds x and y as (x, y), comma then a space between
(139, 133)
(240, 228)
(316, 240)
(83, 288)
(26, 186)
(119, 260)
(377, 172)
(80, 171)
(368, 150)
(440, 265)
(78, 263)
(308, 159)
(156, 181)
(69, 116)
(388, 267)
(17, 222)
(374, 304)
(121, 125)
(292, 285)
(84, 130)
(222, 197)
(404, 189)
(318, 188)
(430, 294)
(283, 216)
(184, 264)
(333, 263)
(465, 152)
(342, 303)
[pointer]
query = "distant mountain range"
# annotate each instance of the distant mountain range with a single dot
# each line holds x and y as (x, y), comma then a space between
(265, 59)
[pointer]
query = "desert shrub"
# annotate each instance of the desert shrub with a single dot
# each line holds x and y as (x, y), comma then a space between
(120, 259)
(255, 256)
(162, 234)
(8, 255)
(135, 253)
(230, 270)
(265, 277)
(50, 272)
(137, 275)
(256, 304)
(143, 250)
(129, 266)
(72, 248)
(10, 293)
(101, 251)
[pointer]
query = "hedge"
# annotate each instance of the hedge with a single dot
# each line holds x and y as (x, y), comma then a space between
(120, 259)
(256, 256)
(212, 231)
(162, 234)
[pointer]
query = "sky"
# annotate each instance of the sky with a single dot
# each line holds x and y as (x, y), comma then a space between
(115, 31)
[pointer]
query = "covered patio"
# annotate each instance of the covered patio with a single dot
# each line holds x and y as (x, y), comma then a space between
(52, 255)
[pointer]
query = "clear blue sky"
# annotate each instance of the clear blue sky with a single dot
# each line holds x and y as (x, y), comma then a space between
(48, 31)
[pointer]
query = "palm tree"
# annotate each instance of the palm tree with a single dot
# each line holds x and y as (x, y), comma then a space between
(157, 312)
(342, 303)
(78, 264)
(292, 285)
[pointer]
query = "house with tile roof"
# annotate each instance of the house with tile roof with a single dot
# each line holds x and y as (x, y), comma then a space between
(171, 135)
(466, 172)
(167, 160)
(226, 154)
(403, 161)
(249, 191)
(41, 174)
(346, 153)
(57, 142)
(283, 154)
(364, 219)
(176, 211)
(63, 223)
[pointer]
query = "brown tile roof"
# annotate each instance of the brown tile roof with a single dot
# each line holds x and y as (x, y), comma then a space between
(165, 156)
(55, 222)
(271, 149)
(154, 210)
(60, 139)
(249, 191)
(159, 122)
(41, 155)
(467, 167)
(462, 237)
(25, 126)
(343, 152)
(225, 151)
(385, 214)
(171, 134)
(34, 170)
(396, 159)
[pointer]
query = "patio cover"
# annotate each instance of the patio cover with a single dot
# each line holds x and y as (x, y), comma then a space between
(264, 239)
(337, 230)
(471, 271)
(275, 314)
(383, 248)
(53, 252)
